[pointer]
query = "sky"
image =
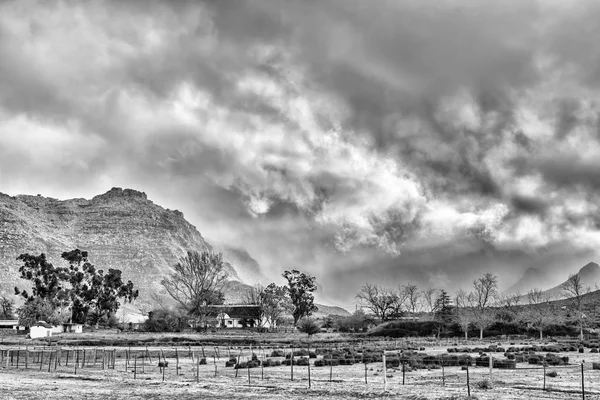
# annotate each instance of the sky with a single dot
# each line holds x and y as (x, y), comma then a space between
(388, 142)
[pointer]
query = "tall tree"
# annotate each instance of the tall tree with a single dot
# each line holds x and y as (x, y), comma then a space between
(197, 282)
(7, 308)
(575, 291)
(429, 296)
(300, 287)
(464, 313)
(275, 302)
(80, 287)
(482, 298)
(413, 297)
(444, 312)
(541, 312)
(381, 301)
(94, 294)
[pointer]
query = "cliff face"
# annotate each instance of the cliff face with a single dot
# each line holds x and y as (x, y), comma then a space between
(120, 229)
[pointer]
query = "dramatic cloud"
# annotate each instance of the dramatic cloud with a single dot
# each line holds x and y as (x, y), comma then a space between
(413, 140)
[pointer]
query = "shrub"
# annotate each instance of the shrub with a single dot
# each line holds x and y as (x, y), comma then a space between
(552, 374)
(483, 385)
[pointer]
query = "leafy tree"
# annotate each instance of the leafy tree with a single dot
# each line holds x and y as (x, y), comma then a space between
(356, 322)
(381, 301)
(37, 309)
(94, 294)
(275, 301)
(300, 287)
(308, 326)
(80, 286)
(197, 282)
(7, 308)
(48, 283)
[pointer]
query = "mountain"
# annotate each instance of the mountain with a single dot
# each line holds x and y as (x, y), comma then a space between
(532, 278)
(589, 275)
(120, 229)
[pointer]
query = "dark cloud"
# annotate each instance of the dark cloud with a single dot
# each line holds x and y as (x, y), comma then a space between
(529, 205)
(326, 136)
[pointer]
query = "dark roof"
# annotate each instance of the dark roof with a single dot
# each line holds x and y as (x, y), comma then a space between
(236, 311)
(42, 323)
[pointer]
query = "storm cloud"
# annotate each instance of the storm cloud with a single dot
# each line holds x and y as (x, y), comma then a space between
(416, 140)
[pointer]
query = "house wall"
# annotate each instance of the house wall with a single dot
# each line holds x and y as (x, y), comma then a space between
(57, 329)
(39, 332)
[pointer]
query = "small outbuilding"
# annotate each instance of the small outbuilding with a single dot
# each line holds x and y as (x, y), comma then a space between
(40, 329)
(72, 328)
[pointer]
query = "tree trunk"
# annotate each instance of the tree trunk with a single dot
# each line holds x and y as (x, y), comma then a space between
(480, 333)
(581, 333)
(541, 337)
(466, 335)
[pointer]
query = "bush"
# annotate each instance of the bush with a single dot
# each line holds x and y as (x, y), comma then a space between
(552, 374)
(308, 326)
(483, 385)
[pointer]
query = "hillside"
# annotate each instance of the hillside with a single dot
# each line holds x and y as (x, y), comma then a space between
(590, 278)
(120, 229)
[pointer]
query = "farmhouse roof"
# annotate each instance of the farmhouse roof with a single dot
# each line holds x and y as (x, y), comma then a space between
(236, 310)
(42, 323)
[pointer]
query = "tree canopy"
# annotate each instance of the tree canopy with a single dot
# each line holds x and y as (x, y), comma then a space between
(300, 287)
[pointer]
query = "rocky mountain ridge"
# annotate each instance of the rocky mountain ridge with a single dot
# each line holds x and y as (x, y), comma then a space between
(121, 229)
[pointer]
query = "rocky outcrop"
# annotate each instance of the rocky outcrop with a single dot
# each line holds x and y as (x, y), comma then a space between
(120, 229)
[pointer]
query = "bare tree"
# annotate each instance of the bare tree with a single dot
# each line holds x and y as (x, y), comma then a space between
(540, 313)
(413, 296)
(381, 301)
(482, 298)
(574, 290)
(255, 296)
(197, 282)
(429, 297)
(509, 307)
(464, 314)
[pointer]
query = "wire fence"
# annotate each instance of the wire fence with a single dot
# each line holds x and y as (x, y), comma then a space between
(307, 366)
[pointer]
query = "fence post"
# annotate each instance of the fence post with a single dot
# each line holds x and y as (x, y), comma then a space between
(582, 383)
(544, 364)
(443, 374)
(197, 369)
(292, 364)
(384, 373)
(403, 372)
(135, 366)
(491, 367)
(308, 348)
(468, 383)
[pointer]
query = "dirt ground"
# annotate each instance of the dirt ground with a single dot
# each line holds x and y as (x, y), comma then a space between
(93, 381)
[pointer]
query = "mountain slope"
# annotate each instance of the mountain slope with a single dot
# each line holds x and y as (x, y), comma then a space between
(590, 278)
(532, 278)
(120, 229)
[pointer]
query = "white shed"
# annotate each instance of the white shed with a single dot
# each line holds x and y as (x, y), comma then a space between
(40, 329)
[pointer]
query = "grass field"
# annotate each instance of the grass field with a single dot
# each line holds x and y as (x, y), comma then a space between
(132, 372)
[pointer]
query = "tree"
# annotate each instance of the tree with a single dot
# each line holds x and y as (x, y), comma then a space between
(255, 296)
(300, 287)
(541, 313)
(464, 315)
(429, 297)
(574, 290)
(275, 302)
(7, 308)
(37, 309)
(308, 326)
(88, 292)
(444, 311)
(483, 296)
(94, 294)
(197, 282)
(413, 297)
(381, 301)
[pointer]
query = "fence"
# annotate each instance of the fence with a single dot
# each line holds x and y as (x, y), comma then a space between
(309, 366)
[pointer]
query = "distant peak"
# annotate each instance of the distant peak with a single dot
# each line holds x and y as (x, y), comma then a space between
(118, 192)
(589, 267)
